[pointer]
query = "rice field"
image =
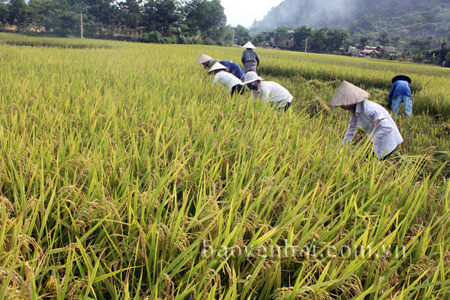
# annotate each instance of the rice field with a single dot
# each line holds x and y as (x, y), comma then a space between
(125, 174)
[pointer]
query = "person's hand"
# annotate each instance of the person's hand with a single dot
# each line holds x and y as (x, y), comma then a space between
(376, 122)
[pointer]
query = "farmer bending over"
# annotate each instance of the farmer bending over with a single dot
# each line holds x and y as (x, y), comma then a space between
(269, 91)
(232, 67)
(233, 84)
(206, 61)
(400, 93)
(372, 117)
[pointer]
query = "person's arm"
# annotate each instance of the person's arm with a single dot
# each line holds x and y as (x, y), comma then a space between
(391, 92)
(255, 94)
(234, 69)
(257, 59)
(264, 93)
(351, 130)
(243, 57)
(241, 73)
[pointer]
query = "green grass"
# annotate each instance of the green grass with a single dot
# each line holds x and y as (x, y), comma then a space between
(118, 165)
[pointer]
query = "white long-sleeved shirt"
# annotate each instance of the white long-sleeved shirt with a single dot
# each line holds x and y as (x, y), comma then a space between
(378, 124)
(226, 79)
(273, 92)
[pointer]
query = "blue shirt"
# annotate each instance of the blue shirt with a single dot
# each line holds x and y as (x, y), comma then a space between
(399, 88)
(233, 68)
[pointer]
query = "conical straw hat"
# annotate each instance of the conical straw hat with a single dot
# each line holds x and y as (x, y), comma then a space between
(217, 66)
(203, 58)
(251, 77)
(348, 94)
(211, 62)
(249, 45)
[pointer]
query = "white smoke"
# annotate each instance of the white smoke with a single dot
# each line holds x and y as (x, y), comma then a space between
(312, 13)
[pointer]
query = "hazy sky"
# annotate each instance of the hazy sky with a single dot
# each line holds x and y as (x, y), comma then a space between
(244, 12)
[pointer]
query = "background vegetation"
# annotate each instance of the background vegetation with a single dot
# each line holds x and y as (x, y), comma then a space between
(418, 30)
(406, 20)
(122, 166)
(156, 21)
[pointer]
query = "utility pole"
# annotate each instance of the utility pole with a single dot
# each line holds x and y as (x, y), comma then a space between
(232, 41)
(81, 25)
(306, 45)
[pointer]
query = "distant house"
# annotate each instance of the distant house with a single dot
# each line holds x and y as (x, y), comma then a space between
(368, 51)
(370, 48)
(9, 28)
(353, 51)
(287, 41)
(388, 49)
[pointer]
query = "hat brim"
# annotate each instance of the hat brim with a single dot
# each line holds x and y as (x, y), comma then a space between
(332, 105)
(348, 94)
(401, 77)
(224, 69)
(217, 67)
(250, 81)
(203, 59)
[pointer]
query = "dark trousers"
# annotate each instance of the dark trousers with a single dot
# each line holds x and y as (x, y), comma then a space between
(371, 153)
(238, 88)
(388, 155)
(287, 106)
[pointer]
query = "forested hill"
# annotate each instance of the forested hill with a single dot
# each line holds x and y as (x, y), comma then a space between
(409, 19)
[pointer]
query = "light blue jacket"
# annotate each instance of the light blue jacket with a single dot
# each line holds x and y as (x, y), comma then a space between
(399, 88)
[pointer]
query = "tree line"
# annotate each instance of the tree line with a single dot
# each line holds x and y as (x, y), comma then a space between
(165, 21)
(337, 41)
(194, 21)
